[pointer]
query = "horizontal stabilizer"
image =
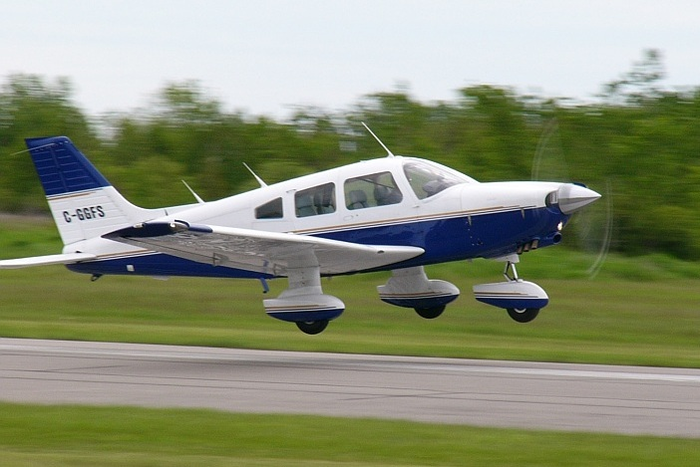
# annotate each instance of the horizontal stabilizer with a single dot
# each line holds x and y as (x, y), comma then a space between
(68, 258)
(261, 251)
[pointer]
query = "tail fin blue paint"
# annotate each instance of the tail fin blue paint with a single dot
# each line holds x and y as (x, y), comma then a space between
(83, 203)
(62, 168)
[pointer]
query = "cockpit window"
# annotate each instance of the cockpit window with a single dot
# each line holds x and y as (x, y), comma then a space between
(428, 180)
(378, 189)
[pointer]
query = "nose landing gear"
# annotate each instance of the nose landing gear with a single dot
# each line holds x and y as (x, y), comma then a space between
(521, 299)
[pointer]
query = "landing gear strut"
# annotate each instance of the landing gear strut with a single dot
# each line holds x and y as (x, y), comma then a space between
(510, 273)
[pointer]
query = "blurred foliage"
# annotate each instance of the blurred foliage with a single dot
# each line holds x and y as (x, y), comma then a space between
(638, 137)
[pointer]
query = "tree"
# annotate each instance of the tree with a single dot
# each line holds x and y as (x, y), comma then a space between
(31, 106)
(641, 83)
(641, 138)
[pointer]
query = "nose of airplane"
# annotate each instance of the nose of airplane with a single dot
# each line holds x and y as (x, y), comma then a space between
(575, 197)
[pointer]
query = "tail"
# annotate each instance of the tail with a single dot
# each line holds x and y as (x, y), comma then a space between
(83, 203)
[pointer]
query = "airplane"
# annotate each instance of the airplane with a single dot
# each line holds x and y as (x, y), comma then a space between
(393, 213)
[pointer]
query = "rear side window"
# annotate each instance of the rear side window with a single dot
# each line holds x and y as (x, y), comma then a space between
(270, 210)
(315, 201)
(371, 190)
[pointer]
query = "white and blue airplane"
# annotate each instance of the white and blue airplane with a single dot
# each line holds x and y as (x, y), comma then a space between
(393, 213)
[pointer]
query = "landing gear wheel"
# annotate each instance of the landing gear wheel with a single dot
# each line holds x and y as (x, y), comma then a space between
(430, 313)
(523, 315)
(312, 327)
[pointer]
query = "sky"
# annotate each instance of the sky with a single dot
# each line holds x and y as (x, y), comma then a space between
(268, 57)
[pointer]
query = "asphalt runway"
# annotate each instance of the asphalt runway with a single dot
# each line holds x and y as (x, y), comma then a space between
(595, 398)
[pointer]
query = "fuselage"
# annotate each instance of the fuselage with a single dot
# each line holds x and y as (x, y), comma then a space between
(402, 201)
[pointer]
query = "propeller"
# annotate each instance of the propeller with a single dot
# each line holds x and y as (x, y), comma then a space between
(593, 226)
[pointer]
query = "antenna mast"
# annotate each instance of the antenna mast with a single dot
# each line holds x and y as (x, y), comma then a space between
(388, 153)
(258, 179)
(196, 196)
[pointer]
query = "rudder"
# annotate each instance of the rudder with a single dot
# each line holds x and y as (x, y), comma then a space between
(83, 203)
(61, 167)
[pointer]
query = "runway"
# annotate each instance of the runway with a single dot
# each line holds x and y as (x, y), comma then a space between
(595, 398)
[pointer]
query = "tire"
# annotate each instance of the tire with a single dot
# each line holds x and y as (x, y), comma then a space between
(523, 315)
(430, 313)
(312, 327)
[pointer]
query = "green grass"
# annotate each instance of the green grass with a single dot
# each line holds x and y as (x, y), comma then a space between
(586, 321)
(637, 311)
(28, 236)
(66, 435)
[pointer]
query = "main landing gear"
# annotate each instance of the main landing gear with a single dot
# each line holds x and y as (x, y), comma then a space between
(411, 288)
(304, 302)
(521, 299)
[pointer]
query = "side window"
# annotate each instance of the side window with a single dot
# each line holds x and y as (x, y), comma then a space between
(270, 210)
(315, 201)
(371, 190)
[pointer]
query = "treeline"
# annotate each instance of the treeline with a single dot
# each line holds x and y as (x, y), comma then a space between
(640, 140)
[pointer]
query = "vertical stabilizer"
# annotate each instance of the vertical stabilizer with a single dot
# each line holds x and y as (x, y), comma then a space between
(83, 203)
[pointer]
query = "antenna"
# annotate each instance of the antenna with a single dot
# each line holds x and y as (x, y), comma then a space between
(260, 180)
(27, 150)
(388, 153)
(196, 196)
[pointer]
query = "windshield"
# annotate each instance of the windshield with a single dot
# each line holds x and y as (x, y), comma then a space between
(428, 179)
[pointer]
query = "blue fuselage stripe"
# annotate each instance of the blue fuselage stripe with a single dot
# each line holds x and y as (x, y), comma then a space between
(444, 240)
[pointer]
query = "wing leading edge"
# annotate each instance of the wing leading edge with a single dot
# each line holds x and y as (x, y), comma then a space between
(254, 250)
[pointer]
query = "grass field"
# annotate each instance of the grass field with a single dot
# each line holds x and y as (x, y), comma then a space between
(77, 436)
(636, 311)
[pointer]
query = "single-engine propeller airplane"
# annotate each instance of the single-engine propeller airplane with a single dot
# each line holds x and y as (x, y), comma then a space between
(393, 213)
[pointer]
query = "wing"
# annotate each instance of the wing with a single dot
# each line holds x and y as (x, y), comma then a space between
(254, 250)
(68, 258)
